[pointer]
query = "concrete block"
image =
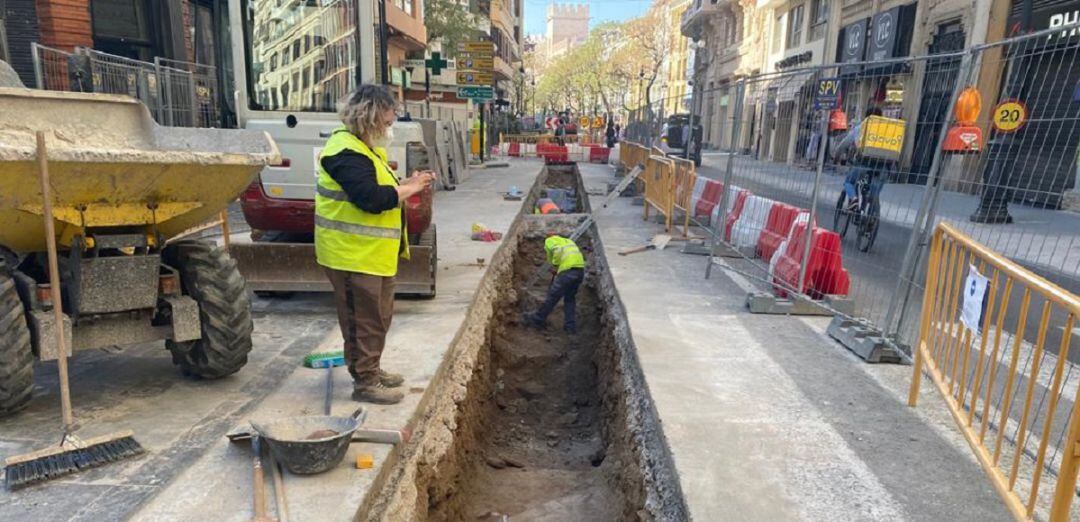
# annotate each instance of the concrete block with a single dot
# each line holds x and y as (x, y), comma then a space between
(865, 341)
(766, 303)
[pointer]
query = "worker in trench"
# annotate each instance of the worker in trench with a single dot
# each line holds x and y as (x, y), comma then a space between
(566, 258)
(360, 233)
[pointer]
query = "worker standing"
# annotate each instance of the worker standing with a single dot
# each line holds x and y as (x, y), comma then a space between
(569, 263)
(360, 233)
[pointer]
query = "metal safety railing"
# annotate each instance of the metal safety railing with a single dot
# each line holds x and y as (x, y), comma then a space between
(1014, 400)
(774, 161)
(178, 94)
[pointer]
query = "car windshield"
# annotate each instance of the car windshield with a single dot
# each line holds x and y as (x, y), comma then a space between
(301, 55)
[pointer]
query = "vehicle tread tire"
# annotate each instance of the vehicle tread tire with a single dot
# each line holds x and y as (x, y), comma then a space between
(16, 354)
(210, 276)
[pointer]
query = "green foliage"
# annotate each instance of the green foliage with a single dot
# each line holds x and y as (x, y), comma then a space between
(450, 22)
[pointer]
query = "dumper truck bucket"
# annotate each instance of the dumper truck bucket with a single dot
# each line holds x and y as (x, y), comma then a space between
(112, 166)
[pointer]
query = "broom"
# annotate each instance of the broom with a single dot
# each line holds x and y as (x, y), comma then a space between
(72, 454)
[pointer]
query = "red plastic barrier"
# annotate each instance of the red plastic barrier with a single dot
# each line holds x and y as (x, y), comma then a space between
(553, 154)
(598, 154)
(825, 273)
(710, 198)
(776, 230)
(736, 211)
(515, 150)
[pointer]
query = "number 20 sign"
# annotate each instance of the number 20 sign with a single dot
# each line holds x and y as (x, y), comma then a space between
(1010, 115)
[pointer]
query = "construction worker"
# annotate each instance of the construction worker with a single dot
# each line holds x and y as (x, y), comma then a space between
(569, 263)
(360, 233)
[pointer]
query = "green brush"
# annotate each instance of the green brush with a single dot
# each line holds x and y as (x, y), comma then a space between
(325, 359)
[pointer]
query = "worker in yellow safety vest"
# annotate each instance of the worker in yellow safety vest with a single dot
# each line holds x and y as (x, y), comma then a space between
(360, 233)
(569, 263)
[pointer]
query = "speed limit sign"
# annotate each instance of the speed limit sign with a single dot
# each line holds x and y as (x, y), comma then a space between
(1010, 115)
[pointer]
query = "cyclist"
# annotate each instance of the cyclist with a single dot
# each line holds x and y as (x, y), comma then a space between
(847, 148)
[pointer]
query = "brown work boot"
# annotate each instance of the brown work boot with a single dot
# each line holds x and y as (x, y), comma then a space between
(376, 393)
(390, 380)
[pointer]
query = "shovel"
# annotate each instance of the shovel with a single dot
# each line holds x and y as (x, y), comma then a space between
(659, 242)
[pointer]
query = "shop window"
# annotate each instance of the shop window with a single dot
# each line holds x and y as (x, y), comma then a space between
(795, 27)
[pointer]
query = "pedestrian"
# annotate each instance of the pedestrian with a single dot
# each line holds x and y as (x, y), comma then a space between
(361, 232)
(618, 133)
(861, 165)
(560, 133)
(610, 134)
(569, 263)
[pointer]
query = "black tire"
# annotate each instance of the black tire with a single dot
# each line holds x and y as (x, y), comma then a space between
(868, 227)
(16, 354)
(842, 218)
(210, 277)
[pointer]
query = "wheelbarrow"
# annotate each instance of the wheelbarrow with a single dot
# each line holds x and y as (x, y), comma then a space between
(310, 444)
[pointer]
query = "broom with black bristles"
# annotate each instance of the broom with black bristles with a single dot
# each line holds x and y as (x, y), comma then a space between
(72, 454)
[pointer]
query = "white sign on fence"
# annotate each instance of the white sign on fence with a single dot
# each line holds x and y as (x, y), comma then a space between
(974, 293)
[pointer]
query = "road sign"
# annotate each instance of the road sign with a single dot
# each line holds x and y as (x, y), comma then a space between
(476, 93)
(481, 64)
(827, 96)
(583, 122)
(476, 47)
(475, 78)
(597, 122)
(1010, 115)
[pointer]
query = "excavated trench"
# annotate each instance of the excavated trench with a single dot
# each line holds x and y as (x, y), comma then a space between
(535, 425)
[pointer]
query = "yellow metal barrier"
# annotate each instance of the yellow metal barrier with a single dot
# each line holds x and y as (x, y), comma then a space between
(659, 178)
(969, 365)
(685, 175)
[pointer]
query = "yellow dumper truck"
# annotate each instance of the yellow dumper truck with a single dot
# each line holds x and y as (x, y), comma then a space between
(122, 188)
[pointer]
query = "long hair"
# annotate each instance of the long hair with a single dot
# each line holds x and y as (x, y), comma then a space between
(360, 112)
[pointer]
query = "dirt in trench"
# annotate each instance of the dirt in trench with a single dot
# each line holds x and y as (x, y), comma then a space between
(531, 440)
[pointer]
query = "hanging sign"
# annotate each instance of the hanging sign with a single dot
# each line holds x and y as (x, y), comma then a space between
(974, 294)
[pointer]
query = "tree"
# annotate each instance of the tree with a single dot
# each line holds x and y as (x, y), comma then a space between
(449, 22)
(650, 38)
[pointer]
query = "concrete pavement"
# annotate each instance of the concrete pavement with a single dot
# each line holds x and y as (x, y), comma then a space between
(191, 472)
(768, 418)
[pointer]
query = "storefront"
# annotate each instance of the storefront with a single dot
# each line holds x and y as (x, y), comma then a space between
(1045, 76)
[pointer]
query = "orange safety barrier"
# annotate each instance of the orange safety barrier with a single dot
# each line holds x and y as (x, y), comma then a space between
(974, 299)
(514, 149)
(825, 272)
(736, 211)
(598, 154)
(684, 178)
(553, 154)
(659, 177)
(777, 227)
(710, 197)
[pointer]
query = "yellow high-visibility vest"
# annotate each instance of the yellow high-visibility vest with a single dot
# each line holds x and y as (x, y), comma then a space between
(563, 253)
(346, 237)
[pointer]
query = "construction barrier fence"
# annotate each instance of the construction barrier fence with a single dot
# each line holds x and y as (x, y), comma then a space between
(178, 94)
(827, 184)
(1015, 401)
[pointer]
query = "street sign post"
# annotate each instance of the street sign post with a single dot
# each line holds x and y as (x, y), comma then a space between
(479, 93)
(475, 78)
(476, 47)
(827, 96)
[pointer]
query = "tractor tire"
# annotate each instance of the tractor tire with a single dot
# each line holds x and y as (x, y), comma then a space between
(16, 354)
(210, 277)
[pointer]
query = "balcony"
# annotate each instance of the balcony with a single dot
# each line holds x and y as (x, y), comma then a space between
(695, 19)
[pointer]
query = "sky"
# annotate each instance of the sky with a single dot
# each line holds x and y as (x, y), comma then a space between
(599, 11)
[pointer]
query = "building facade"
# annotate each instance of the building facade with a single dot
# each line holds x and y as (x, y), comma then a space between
(567, 27)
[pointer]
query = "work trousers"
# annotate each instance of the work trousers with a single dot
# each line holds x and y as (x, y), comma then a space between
(365, 307)
(564, 288)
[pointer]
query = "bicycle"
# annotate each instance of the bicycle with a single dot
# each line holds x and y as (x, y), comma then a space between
(865, 211)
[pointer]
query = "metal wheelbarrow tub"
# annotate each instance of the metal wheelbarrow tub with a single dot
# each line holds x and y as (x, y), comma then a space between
(289, 443)
(112, 165)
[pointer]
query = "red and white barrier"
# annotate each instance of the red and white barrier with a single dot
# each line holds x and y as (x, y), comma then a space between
(825, 273)
(751, 223)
